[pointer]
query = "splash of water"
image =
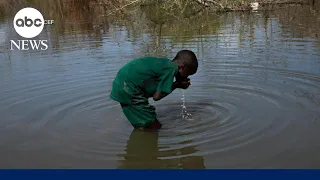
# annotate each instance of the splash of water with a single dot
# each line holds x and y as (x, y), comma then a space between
(184, 113)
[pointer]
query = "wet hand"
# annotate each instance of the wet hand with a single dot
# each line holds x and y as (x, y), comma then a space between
(184, 84)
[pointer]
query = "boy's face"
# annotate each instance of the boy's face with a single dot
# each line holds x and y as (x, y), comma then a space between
(185, 71)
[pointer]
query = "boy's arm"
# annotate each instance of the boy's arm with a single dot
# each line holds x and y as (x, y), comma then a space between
(159, 95)
(166, 84)
(183, 85)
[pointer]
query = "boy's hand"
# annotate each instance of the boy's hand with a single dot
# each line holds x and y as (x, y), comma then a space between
(184, 84)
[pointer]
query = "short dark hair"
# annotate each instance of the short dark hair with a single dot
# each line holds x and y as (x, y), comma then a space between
(188, 58)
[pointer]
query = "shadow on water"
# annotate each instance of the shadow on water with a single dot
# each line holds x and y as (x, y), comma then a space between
(143, 151)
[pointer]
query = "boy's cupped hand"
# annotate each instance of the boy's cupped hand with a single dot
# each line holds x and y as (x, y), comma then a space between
(183, 84)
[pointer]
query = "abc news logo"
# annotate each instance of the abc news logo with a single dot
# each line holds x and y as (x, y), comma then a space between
(29, 23)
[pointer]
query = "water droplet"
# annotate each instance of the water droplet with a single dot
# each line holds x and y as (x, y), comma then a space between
(184, 114)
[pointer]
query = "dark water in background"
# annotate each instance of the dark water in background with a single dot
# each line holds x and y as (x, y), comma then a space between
(255, 99)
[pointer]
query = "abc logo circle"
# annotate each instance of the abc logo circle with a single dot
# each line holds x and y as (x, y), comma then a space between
(28, 22)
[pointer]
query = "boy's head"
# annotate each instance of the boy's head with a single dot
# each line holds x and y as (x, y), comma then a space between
(187, 63)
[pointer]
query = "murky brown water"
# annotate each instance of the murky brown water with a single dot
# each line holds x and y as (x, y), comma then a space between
(255, 99)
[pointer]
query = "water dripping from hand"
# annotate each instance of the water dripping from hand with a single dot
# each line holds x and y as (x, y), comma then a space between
(184, 113)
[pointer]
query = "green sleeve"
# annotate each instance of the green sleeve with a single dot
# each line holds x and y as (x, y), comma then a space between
(166, 79)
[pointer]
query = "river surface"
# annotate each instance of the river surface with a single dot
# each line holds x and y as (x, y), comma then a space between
(254, 102)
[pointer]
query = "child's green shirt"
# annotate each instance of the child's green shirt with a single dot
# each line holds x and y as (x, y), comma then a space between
(142, 77)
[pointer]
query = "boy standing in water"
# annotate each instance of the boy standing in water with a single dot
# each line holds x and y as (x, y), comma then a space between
(148, 77)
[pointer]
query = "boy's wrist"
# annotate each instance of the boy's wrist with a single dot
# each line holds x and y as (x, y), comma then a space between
(174, 85)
